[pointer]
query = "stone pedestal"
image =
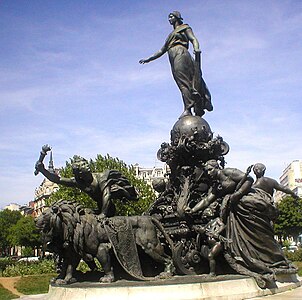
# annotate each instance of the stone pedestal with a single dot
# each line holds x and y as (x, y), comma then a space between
(228, 287)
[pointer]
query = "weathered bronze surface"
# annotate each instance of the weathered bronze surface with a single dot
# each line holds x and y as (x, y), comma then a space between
(186, 71)
(207, 219)
(101, 187)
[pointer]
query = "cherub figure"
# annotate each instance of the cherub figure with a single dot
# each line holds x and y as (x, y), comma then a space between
(211, 234)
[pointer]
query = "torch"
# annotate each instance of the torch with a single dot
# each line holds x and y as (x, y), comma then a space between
(43, 153)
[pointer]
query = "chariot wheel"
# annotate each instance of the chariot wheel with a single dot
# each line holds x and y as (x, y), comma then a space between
(188, 262)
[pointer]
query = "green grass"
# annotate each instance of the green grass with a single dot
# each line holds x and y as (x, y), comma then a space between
(6, 295)
(39, 284)
(298, 264)
(36, 284)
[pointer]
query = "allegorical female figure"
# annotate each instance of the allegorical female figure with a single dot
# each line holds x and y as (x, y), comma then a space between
(254, 250)
(185, 70)
(248, 211)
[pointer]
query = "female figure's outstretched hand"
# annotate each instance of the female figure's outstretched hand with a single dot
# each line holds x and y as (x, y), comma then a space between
(144, 61)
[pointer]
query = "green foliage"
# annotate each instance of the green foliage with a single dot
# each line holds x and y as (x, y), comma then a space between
(17, 230)
(33, 285)
(4, 262)
(24, 233)
(83, 267)
(145, 192)
(298, 264)
(44, 266)
(27, 251)
(294, 256)
(8, 218)
(289, 221)
(100, 164)
(6, 295)
(286, 244)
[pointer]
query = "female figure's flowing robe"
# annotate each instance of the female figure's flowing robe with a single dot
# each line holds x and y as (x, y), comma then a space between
(186, 72)
(251, 248)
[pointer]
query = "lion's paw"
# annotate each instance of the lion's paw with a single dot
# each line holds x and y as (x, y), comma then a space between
(64, 281)
(53, 280)
(107, 279)
(71, 280)
(60, 282)
(164, 275)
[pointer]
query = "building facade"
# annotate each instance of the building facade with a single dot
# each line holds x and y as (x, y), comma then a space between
(150, 174)
(25, 210)
(45, 189)
(292, 178)
(12, 206)
(42, 193)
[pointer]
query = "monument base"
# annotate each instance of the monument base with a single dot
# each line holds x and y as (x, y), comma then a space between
(222, 287)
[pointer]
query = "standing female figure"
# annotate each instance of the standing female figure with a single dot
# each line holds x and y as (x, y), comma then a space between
(185, 70)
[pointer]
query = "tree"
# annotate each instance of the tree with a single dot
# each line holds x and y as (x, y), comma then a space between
(24, 233)
(8, 218)
(101, 163)
(289, 221)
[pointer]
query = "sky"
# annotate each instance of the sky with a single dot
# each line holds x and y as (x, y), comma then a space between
(70, 78)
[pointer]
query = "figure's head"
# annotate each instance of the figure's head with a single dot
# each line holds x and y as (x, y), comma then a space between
(259, 169)
(80, 166)
(159, 185)
(175, 16)
(212, 168)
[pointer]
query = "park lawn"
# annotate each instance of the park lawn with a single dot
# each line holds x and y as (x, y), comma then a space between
(39, 284)
(298, 264)
(34, 284)
(6, 295)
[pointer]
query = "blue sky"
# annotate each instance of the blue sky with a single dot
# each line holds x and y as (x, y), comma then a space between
(69, 77)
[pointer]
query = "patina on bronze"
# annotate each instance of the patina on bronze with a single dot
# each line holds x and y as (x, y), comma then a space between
(101, 187)
(185, 70)
(208, 218)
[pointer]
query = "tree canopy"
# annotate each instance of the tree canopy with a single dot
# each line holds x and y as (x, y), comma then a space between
(101, 163)
(289, 221)
(8, 218)
(24, 233)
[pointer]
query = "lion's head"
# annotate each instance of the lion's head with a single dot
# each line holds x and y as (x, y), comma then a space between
(58, 222)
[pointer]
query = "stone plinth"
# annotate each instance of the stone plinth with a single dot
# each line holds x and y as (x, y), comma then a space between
(230, 287)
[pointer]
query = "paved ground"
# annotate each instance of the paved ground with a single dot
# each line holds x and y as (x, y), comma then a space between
(295, 294)
(34, 297)
(9, 284)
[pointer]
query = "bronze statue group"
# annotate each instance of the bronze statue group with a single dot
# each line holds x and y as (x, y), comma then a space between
(207, 219)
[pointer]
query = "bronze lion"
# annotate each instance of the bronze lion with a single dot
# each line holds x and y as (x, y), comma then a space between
(75, 233)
